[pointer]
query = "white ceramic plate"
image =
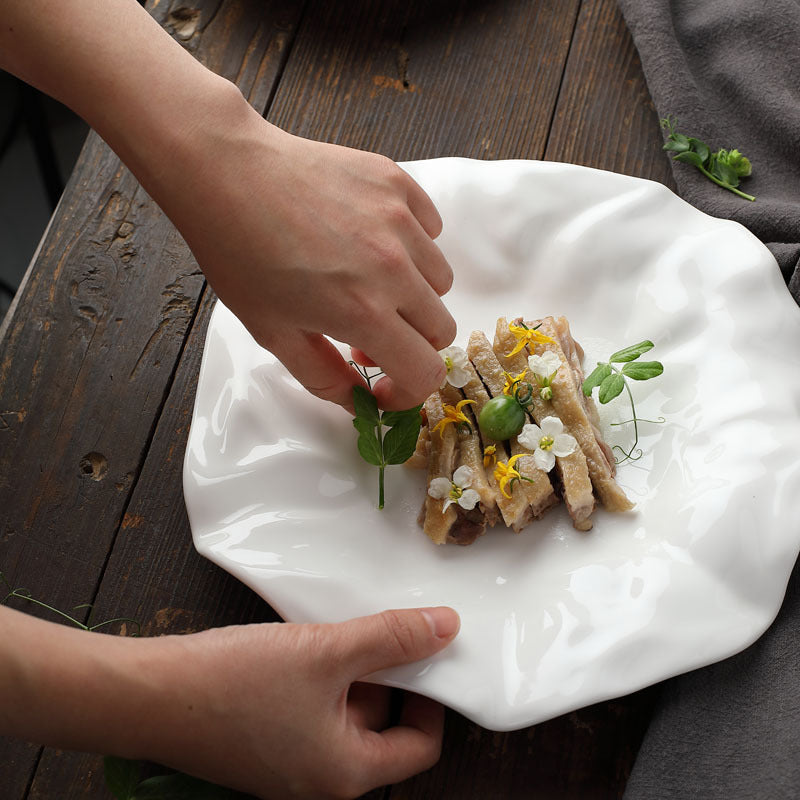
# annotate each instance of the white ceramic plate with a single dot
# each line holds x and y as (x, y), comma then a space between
(552, 619)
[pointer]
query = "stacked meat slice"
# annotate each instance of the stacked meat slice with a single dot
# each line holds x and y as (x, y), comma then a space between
(578, 478)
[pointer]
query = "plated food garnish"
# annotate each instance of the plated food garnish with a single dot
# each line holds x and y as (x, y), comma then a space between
(517, 434)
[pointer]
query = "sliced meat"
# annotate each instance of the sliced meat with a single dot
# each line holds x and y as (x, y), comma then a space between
(569, 407)
(470, 454)
(539, 492)
(441, 457)
(572, 469)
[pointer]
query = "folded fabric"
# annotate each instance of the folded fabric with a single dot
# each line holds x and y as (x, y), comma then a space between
(729, 72)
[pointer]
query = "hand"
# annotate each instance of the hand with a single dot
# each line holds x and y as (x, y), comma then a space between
(298, 238)
(275, 710)
(302, 239)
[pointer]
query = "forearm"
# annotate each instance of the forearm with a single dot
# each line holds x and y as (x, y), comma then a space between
(71, 689)
(112, 63)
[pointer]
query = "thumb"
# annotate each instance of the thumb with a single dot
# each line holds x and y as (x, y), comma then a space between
(397, 637)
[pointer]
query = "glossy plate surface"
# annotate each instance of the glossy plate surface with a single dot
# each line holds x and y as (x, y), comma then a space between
(552, 619)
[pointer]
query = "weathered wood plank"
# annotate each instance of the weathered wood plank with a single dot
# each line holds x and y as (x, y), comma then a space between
(605, 117)
(87, 357)
(427, 79)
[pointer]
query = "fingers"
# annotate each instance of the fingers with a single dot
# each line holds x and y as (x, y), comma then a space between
(408, 748)
(429, 260)
(422, 208)
(360, 357)
(392, 638)
(368, 706)
(413, 369)
(318, 365)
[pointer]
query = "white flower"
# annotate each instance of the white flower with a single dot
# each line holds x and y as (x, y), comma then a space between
(455, 491)
(547, 442)
(544, 366)
(457, 363)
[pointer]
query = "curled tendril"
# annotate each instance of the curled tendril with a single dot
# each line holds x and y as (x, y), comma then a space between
(526, 401)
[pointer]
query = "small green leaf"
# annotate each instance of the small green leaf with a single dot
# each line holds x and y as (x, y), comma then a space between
(597, 376)
(677, 143)
(364, 426)
(643, 370)
(725, 172)
(610, 388)
(392, 418)
(122, 776)
(675, 147)
(370, 448)
(365, 405)
(632, 352)
(400, 442)
(178, 786)
(689, 157)
(701, 148)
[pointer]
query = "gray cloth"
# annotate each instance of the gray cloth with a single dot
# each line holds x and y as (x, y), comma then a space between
(729, 71)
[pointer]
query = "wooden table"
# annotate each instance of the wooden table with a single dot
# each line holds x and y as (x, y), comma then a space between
(100, 354)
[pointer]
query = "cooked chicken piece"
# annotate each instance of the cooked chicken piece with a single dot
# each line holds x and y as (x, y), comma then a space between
(516, 511)
(470, 454)
(572, 469)
(419, 458)
(539, 493)
(574, 353)
(569, 407)
(441, 457)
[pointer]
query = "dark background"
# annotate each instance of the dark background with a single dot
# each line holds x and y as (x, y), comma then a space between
(39, 142)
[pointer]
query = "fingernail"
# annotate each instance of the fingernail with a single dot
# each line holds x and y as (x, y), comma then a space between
(443, 621)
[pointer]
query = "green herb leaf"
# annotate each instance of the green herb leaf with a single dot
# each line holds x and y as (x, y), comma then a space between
(370, 449)
(725, 172)
(122, 776)
(690, 157)
(178, 786)
(643, 370)
(400, 442)
(701, 148)
(632, 352)
(610, 388)
(392, 418)
(596, 377)
(724, 167)
(365, 405)
(678, 143)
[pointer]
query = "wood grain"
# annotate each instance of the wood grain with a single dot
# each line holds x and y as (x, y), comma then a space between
(605, 118)
(89, 353)
(426, 79)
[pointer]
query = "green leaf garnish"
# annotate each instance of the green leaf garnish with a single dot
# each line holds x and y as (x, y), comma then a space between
(598, 375)
(723, 167)
(381, 450)
(632, 352)
(611, 387)
(401, 439)
(643, 370)
(122, 776)
(611, 381)
(365, 405)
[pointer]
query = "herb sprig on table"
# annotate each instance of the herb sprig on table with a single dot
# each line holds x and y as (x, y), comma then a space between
(395, 445)
(611, 380)
(726, 168)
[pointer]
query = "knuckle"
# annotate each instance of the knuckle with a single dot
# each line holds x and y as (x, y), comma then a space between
(400, 634)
